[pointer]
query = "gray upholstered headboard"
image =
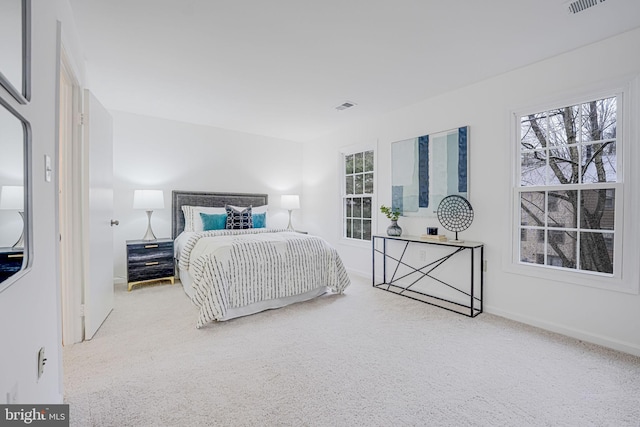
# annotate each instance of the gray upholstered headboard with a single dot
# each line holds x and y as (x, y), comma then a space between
(200, 198)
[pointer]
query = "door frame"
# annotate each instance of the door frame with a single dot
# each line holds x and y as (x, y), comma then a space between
(70, 201)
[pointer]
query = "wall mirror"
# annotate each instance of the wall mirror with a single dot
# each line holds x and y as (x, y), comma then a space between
(14, 203)
(426, 169)
(15, 45)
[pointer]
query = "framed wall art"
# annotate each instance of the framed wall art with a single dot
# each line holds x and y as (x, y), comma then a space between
(428, 168)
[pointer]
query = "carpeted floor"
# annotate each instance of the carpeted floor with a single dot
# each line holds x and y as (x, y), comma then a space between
(366, 358)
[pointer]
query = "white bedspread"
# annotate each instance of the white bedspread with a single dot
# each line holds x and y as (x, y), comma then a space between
(236, 268)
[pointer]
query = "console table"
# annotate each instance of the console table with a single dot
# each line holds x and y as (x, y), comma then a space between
(403, 280)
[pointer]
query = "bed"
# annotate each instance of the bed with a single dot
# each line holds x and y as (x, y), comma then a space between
(228, 273)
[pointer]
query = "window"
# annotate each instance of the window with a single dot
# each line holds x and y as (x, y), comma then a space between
(357, 195)
(568, 187)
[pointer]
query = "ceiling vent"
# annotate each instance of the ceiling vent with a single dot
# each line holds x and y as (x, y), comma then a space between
(578, 6)
(345, 105)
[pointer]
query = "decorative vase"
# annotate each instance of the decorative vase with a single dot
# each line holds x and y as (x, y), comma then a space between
(394, 229)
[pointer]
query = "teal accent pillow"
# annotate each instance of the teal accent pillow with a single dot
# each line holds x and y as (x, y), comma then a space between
(213, 221)
(259, 220)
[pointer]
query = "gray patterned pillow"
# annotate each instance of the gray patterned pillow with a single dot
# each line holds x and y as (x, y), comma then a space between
(238, 220)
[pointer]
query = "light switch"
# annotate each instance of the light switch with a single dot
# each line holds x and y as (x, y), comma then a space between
(47, 168)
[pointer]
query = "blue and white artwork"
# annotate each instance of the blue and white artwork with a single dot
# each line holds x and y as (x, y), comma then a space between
(427, 169)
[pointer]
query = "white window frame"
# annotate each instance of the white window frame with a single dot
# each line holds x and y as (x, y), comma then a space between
(627, 249)
(344, 152)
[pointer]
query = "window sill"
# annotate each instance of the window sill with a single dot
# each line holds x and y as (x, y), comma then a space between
(592, 280)
(355, 243)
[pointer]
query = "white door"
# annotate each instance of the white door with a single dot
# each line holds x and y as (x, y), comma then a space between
(98, 145)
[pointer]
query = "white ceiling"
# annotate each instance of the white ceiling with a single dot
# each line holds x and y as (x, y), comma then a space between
(280, 67)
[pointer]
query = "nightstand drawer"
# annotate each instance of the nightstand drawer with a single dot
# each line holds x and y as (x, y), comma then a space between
(151, 270)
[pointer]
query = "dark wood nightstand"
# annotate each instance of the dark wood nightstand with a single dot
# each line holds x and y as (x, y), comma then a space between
(149, 261)
(10, 262)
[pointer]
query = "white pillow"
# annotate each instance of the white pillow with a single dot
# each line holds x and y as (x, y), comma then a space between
(254, 209)
(192, 220)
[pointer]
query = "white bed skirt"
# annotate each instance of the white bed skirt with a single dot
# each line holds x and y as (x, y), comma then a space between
(259, 306)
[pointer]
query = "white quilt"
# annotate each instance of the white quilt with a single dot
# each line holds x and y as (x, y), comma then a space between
(235, 268)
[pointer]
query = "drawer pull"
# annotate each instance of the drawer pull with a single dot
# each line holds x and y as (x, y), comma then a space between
(150, 246)
(15, 256)
(151, 263)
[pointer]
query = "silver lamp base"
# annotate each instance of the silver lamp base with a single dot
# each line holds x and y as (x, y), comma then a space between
(290, 226)
(149, 234)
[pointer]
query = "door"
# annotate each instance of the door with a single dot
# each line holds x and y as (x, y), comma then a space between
(98, 236)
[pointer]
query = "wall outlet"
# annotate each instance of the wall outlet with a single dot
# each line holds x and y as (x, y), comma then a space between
(41, 362)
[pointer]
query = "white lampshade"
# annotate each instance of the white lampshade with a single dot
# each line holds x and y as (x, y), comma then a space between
(12, 197)
(290, 201)
(148, 199)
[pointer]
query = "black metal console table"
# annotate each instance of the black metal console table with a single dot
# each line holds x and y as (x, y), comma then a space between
(426, 272)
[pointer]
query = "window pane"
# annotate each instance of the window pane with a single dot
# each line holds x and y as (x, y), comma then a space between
(349, 228)
(357, 208)
(528, 138)
(562, 212)
(366, 229)
(359, 184)
(562, 248)
(357, 229)
(359, 162)
(368, 161)
(563, 165)
(533, 166)
(535, 130)
(349, 188)
(599, 162)
(366, 207)
(532, 208)
(368, 183)
(348, 162)
(531, 247)
(599, 120)
(596, 252)
(348, 208)
(562, 127)
(598, 209)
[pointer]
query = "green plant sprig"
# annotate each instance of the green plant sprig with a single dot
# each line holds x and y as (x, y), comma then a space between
(393, 215)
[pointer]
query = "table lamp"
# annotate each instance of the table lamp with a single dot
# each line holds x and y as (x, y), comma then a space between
(148, 200)
(290, 202)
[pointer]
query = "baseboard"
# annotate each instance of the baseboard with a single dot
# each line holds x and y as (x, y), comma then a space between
(360, 274)
(608, 342)
(119, 280)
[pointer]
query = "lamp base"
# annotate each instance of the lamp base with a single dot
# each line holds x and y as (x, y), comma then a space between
(149, 234)
(290, 226)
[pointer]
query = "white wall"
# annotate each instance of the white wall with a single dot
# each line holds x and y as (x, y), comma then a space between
(29, 309)
(168, 155)
(602, 316)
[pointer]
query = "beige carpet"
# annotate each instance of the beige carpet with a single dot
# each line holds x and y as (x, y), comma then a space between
(366, 358)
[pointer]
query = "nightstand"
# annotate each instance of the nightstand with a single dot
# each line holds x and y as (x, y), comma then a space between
(149, 261)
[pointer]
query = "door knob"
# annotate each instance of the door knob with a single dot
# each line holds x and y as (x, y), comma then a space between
(115, 222)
